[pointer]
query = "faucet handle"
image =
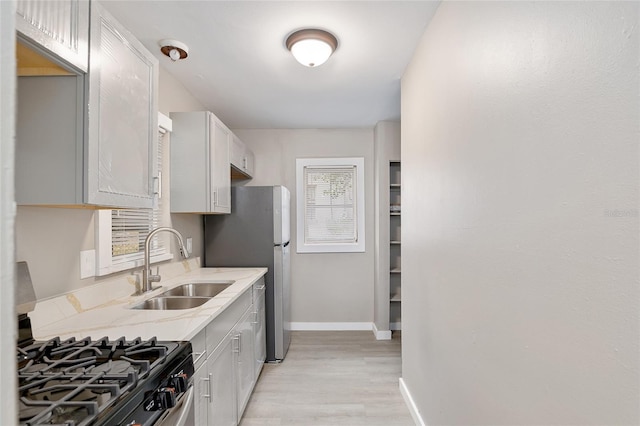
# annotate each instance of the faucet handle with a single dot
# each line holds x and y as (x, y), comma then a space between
(154, 278)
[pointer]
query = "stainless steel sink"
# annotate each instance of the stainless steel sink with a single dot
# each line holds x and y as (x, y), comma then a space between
(170, 303)
(208, 289)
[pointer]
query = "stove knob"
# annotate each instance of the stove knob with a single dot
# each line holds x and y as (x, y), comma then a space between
(164, 398)
(178, 382)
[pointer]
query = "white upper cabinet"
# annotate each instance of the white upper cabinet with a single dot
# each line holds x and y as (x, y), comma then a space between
(242, 159)
(200, 179)
(59, 26)
(123, 118)
(89, 139)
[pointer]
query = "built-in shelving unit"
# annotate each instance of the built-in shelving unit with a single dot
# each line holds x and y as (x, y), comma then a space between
(387, 240)
(395, 212)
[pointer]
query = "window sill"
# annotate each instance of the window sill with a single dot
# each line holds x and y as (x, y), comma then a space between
(131, 264)
(331, 248)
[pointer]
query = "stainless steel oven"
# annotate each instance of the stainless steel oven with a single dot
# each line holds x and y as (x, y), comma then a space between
(183, 414)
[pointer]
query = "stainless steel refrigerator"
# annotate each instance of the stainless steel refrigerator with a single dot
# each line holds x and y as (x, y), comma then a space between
(256, 233)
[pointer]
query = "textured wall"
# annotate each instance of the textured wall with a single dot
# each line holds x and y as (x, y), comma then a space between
(8, 413)
(520, 214)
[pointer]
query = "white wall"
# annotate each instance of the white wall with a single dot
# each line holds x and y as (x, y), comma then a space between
(8, 338)
(520, 214)
(327, 287)
(50, 239)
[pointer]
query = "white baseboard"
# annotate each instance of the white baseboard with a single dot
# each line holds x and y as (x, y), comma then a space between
(413, 409)
(381, 334)
(395, 326)
(330, 326)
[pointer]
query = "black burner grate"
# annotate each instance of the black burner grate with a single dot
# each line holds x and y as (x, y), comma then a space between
(72, 381)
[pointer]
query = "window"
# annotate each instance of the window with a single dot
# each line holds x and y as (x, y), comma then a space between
(120, 234)
(330, 205)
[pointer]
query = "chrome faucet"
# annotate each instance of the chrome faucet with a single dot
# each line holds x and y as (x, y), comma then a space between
(148, 278)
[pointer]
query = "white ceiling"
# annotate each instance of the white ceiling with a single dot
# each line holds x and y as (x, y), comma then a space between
(239, 68)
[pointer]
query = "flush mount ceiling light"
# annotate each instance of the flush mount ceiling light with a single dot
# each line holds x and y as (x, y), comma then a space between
(311, 47)
(174, 49)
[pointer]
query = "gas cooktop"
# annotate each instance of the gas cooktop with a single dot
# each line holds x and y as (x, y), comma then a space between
(100, 382)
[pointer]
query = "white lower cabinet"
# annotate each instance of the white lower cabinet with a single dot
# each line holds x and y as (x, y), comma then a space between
(225, 362)
(223, 401)
(244, 351)
(203, 394)
(259, 328)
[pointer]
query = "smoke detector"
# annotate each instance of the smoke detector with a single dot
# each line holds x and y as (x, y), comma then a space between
(174, 49)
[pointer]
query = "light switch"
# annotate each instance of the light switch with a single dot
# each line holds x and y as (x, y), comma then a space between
(87, 264)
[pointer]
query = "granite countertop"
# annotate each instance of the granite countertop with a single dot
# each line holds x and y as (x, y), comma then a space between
(104, 309)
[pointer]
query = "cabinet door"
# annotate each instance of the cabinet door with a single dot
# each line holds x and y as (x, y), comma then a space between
(219, 166)
(237, 152)
(59, 26)
(245, 352)
(242, 159)
(123, 120)
(249, 162)
(259, 332)
(202, 398)
(222, 409)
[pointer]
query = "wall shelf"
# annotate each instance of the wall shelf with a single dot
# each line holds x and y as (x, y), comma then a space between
(387, 248)
(395, 248)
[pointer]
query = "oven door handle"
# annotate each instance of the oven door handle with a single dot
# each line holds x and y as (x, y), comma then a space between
(185, 409)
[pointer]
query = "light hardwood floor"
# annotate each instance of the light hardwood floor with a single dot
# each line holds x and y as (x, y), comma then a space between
(331, 378)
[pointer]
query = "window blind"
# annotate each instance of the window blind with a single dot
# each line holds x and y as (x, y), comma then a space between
(330, 207)
(130, 227)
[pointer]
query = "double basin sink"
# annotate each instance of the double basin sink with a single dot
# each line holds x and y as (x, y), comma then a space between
(185, 296)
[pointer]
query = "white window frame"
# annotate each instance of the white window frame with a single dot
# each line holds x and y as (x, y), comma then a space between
(302, 246)
(106, 263)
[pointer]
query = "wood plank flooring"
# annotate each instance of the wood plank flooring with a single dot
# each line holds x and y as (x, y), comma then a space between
(331, 378)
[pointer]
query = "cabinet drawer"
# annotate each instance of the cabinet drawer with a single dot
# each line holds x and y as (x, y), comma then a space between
(198, 345)
(224, 323)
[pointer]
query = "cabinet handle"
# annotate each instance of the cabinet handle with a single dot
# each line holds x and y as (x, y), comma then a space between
(238, 341)
(208, 379)
(198, 355)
